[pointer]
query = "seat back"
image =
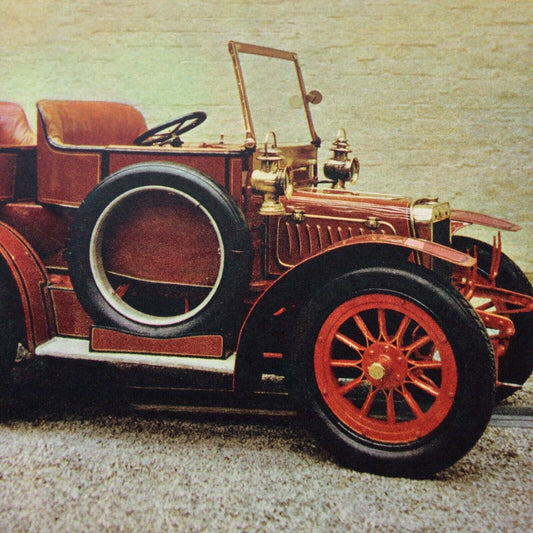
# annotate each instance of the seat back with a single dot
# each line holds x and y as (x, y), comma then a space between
(14, 127)
(71, 138)
(17, 154)
(90, 123)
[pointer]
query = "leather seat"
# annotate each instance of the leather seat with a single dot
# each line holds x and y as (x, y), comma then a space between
(72, 137)
(14, 127)
(90, 123)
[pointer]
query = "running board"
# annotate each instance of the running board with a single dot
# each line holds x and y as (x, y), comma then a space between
(69, 348)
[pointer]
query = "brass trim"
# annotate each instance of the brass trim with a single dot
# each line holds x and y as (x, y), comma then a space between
(298, 216)
(346, 219)
(236, 48)
(372, 223)
(426, 213)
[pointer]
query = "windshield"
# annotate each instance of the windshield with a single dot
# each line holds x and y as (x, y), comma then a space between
(273, 96)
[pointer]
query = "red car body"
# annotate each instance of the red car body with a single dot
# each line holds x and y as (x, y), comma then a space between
(126, 245)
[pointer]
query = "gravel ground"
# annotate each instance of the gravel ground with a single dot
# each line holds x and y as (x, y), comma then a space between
(75, 457)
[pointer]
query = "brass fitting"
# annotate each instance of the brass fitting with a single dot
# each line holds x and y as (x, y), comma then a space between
(272, 179)
(341, 169)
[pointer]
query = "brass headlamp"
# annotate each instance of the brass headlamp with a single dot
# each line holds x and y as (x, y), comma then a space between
(340, 168)
(272, 179)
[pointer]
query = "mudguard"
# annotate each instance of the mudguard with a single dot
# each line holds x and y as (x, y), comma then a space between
(271, 312)
(460, 219)
(30, 277)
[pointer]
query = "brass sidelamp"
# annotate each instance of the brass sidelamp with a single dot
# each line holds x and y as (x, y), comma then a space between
(340, 168)
(272, 179)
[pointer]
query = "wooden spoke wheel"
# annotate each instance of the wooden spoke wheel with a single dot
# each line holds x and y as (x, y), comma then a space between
(392, 370)
(516, 365)
(385, 367)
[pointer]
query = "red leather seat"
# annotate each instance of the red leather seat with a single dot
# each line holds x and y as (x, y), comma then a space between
(14, 127)
(17, 154)
(72, 137)
(90, 123)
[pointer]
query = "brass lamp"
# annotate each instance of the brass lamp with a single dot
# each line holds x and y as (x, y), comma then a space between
(272, 179)
(340, 168)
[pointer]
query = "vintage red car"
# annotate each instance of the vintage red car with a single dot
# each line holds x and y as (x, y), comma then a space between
(124, 244)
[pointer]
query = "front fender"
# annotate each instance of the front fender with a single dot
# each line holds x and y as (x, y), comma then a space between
(265, 328)
(460, 219)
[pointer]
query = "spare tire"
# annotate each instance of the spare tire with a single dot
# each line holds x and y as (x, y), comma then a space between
(160, 250)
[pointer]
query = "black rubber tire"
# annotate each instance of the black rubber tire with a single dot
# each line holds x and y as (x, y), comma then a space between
(11, 321)
(463, 420)
(517, 364)
(222, 305)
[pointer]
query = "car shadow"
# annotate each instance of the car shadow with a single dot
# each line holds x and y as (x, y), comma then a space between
(56, 389)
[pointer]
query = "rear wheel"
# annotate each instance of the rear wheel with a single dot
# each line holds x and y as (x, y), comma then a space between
(393, 371)
(11, 322)
(517, 364)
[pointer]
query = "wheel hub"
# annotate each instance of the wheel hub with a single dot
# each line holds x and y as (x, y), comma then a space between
(384, 365)
(376, 371)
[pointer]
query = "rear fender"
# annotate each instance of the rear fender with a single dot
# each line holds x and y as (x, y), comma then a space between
(29, 275)
(267, 326)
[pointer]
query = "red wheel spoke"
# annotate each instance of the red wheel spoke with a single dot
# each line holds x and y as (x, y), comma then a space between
(345, 363)
(349, 342)
(391, 413)
(382, 321)
(364, 329)
(411, 402)
(351, 385)
(402, 328)
(417, 344)
(425, 384)
(428, 364)
(365, 409)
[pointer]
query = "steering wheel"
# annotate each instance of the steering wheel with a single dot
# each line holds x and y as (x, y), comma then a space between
(159, 136)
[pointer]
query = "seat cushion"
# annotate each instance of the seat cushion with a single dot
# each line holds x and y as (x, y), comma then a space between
(90, 123)
(14, 127)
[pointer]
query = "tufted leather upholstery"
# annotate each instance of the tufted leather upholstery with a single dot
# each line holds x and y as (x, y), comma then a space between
(14, 127)
(90, 123)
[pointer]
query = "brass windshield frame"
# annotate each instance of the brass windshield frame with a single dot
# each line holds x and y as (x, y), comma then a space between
(236, 48)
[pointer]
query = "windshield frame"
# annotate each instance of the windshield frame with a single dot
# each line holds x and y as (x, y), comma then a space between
(236, 48)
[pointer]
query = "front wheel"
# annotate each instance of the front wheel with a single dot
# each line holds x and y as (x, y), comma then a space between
(517, 364)
(393, 370)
